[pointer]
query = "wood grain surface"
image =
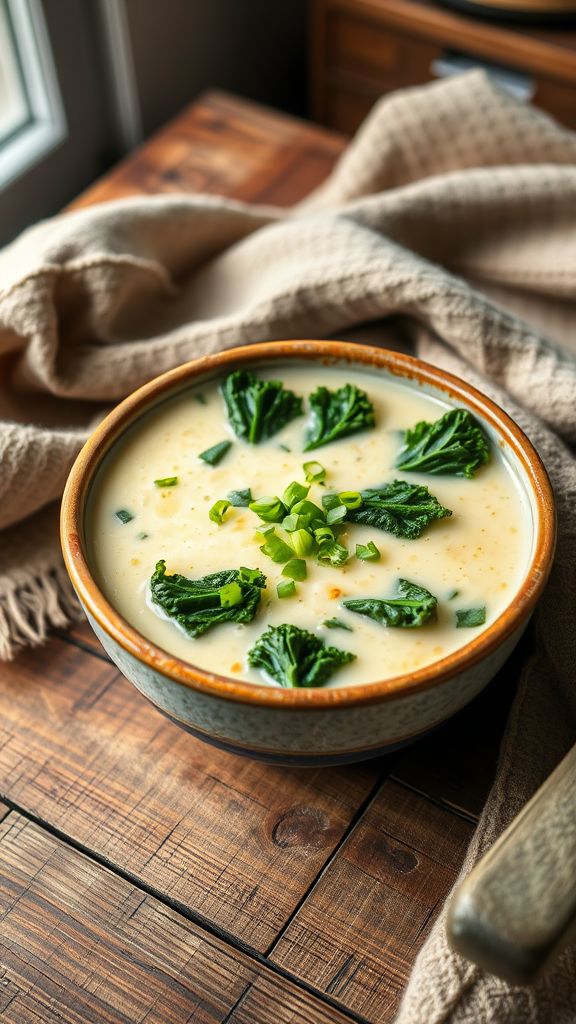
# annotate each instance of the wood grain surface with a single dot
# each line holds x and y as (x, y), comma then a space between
(230, 840)
(229, 147)
(358, 932)
(363, 49)
(148, 877)
(78, 943)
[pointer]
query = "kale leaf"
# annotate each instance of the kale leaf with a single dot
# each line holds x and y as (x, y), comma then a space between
(456, 444)
(232, 595)
(337, 414)
(470, 617)
(294, 657)
(257, 409)
(399, 507)
(414, 606)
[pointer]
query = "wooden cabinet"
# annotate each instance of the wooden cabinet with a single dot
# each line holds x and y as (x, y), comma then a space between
(362, 49)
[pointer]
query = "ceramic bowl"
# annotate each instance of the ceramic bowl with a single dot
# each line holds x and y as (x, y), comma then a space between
(309, 726)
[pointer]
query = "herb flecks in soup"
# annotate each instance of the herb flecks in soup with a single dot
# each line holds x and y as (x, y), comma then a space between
(408, 570)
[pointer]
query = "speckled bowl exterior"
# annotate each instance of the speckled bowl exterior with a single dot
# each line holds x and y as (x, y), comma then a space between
(317, 726)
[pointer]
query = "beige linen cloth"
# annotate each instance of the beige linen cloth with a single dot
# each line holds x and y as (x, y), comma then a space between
(454, 207)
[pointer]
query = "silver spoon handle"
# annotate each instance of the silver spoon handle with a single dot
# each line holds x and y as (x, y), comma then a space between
(517, 908)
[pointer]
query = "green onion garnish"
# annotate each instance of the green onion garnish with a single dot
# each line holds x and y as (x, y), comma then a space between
(240, 499)
(200, 398)
(216, 453)
(330, 501)
(367, 552)
(142, 535)
(315, 473)
(295, 522)
(124, 515)
(218, 511)
(336, 514)
(351, 499)
(276, 548)
(295, 569)
(270, 509)
(230, 595)
(453, 594)
(166, 481)
(337, 624)
(333, 554)
(264, 529)
(324, 535)
(286, 588)
(308, 508)
(294, 493)
(303, 542)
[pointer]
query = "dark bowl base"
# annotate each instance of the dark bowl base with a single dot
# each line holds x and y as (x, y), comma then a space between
(296, 760)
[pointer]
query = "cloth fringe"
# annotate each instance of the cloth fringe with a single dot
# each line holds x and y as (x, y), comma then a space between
(32, 607)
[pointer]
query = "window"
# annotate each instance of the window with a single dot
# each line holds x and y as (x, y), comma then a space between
(31, 116)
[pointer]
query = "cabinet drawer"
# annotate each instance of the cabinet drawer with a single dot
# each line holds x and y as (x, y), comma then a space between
(363, 60)
(391, 59)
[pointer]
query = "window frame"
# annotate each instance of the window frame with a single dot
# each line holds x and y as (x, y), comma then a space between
(46, 126)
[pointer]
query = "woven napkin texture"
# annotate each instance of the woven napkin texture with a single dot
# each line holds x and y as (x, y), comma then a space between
(454, 206)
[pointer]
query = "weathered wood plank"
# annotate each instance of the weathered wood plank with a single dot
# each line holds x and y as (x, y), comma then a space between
(226, 146)
(80, 944)
(357, 934)
(83, 751)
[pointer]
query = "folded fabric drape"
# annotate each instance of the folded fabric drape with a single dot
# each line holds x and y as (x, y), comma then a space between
(454, 206)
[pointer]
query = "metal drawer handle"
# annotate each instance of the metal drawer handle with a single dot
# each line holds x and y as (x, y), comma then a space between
(452, 63)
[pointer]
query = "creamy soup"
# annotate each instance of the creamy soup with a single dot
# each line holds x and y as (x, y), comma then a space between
(481, 551)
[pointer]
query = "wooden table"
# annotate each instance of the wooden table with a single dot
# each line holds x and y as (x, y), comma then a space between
(146, 877)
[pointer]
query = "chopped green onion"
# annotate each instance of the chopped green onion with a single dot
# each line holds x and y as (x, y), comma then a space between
(124, 515)
(142, 535)
(351, 499)
(336, 514)
(219, 510)
(324, 535)
(337, 624)
(249, 575)
(295, 569)
(333, 554)
(303, 542)
(471, 617)
(308, 508)
(240, 499)
(315, 473)
(367, 552)
(167, 481)
(270, 509)
(276, 548)
(216, 453)
(286, 588)
(284, 448)
(200, 398)
(264, 529)
(294, 493)
(295, 522)
(330, 501)
(453, 594)
(230, 595)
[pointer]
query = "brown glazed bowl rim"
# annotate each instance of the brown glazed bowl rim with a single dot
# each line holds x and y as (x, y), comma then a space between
(405, 368)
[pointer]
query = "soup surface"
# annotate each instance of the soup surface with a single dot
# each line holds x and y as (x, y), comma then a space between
(481, 551)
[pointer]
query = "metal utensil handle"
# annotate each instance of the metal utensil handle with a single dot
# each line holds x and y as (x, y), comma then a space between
(517, 908)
